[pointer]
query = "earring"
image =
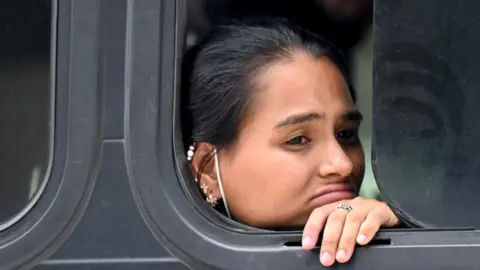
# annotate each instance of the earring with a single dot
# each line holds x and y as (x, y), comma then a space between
(210, 198)
(204, 189)
(190, 152)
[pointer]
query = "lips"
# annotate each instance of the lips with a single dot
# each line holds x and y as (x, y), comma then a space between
(332, 193)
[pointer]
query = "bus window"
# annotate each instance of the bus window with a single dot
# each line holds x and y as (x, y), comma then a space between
(26, 102)
(166, 195)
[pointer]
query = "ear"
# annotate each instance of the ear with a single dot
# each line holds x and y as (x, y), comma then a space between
(203, 168)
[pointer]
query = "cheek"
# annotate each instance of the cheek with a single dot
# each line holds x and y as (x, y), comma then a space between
(258, 185)
(357, 156)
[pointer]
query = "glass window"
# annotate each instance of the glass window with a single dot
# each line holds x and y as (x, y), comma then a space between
(426, 109)
(25, 105)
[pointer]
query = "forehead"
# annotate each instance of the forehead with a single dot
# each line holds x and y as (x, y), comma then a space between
(301, 85)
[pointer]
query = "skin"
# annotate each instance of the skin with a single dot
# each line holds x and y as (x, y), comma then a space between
(300, 136)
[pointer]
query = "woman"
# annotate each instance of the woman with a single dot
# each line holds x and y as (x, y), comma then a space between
(274, 135)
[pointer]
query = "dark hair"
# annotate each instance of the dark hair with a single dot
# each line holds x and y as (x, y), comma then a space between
(219, 73)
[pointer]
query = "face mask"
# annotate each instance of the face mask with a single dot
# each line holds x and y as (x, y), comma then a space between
(217, 169)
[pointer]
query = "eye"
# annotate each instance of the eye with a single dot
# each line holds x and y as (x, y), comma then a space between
(298, 141)
(348, 136)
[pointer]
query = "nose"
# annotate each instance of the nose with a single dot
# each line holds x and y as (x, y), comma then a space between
(335, 163)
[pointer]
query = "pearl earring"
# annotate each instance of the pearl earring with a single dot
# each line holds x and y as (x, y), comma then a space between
(190, 152)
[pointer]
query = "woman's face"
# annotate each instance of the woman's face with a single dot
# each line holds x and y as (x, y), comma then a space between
(299, 140)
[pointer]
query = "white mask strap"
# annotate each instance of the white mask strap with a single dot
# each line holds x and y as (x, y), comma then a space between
(224, 198)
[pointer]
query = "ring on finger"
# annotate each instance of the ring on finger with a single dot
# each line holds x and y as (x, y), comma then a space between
(344, 206)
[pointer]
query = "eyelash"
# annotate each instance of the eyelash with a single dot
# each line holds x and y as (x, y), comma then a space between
(301, 137)
(350, 138)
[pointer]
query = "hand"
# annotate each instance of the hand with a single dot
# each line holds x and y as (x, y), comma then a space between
(343, 229)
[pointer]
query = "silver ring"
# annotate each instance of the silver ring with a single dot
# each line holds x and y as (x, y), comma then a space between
(344, 206)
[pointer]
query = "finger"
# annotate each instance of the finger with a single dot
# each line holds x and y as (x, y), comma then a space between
(349, 235)
(314, 225)
(378, 216)
(331, 236)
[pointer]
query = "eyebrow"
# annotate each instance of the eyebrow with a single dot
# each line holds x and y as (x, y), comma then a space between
(301, 118)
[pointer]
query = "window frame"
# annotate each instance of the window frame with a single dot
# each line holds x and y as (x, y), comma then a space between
(77, 143)
(160, 179)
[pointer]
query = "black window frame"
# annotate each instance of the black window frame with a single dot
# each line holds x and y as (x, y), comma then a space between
(160, 178)
(77, 143)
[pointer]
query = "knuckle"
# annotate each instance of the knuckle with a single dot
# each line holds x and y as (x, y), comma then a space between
(370, 227)
(316, 219)
(348, 240)
(317, 214)
(315, 222)
(312, 228)
(355, 217)
(336, 217)
(382, 205)
(377, 213)
(329, 243)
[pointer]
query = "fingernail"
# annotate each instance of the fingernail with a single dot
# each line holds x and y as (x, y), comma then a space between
(362, 238)
(341, 254)
(325, 258)
(307, 242)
